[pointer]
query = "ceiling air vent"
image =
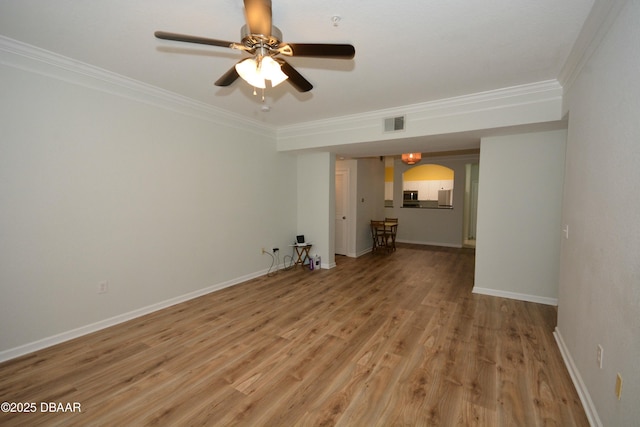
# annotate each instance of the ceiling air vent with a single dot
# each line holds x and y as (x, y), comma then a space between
(394, 124)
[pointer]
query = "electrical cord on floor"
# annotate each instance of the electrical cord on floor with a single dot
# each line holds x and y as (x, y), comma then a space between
(291, 264)
(275, 260)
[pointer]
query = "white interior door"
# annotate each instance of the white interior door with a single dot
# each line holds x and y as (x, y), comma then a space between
(342, 198)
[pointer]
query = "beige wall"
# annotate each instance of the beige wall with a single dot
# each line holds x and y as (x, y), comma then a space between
(599, 296)
(519, 209)
(98, 183)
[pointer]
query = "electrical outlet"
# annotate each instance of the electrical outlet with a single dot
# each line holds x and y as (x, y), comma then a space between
(599, 356)
(103, 287)
(619, 386)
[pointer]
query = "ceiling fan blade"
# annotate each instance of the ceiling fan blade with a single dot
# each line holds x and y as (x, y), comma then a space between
(228, 77)
(339, 51)
(258, 16)
(295, 78)
(192, 39)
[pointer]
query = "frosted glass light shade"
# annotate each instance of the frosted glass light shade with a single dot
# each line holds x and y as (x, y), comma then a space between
(271, 71)
(256, 73)
(248, 70)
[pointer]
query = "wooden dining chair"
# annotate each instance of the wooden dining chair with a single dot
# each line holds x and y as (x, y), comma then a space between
(390, 232)
(378, 235)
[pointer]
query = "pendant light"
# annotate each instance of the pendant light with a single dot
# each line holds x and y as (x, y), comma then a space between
(411, 158)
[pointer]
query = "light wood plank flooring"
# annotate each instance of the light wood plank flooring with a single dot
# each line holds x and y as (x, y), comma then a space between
(383, 340)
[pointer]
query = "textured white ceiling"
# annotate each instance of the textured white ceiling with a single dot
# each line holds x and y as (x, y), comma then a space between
(407, 52)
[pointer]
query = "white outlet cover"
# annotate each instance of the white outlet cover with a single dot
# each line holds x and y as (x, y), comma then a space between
(599, 357)
(103, 287)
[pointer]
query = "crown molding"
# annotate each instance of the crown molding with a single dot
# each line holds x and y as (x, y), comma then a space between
(438, 107)
(33, 59)
(524, 104)
(602, 15)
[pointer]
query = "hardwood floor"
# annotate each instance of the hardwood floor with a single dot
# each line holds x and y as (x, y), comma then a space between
(382, 340)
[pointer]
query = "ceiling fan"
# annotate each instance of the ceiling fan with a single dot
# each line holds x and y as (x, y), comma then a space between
(263, 42)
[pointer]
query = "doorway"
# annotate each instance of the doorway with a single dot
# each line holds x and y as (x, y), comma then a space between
(342, 204)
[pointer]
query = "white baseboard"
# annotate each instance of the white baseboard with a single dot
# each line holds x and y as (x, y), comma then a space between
(364, 252)
(515, 295)
(112, 321)
(583, 393)
(417, 242)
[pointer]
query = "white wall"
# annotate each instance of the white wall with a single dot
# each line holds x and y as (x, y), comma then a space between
(519, 211)
(369, 200)
(316, 204)
(599, 296)
(99, 184)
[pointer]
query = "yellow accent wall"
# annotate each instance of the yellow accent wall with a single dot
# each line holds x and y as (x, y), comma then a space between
(428, 173)
(388, 174)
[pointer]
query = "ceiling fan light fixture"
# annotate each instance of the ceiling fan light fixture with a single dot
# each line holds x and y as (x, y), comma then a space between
(257, 72)
(411, 158)
(271, 71)
(263, 40)
(249, 71)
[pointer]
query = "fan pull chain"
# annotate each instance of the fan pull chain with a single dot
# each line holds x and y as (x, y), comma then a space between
(255, 93)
